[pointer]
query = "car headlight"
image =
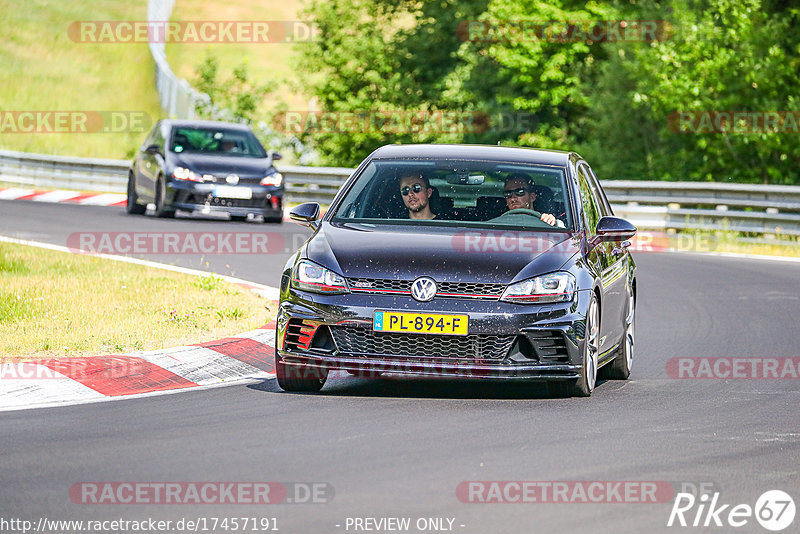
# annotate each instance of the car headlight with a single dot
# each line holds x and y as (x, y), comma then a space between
(182, 173)
(275, 179)
(309, 276)
(553, 287)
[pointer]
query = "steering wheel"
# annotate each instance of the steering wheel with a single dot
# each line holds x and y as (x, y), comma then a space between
(522, 211)
(510, 214)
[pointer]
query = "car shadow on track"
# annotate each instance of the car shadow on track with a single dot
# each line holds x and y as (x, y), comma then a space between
(394, 386)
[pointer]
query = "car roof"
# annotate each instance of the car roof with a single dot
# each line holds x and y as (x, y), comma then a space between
(477, 152)
(183, 123)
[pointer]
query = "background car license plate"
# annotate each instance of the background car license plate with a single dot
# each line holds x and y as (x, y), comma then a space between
(226, 191)
(420, 323)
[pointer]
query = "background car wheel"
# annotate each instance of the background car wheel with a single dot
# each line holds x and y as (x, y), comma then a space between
(132, 206)
(273, 220)
(620, 368)
(299, 377)
(584, 385)
(161, 200)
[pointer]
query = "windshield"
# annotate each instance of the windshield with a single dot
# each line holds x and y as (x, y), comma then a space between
(484, 194)
(237, 143)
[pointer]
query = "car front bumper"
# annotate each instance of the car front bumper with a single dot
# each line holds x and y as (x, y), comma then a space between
(200, 197)
(505, 341)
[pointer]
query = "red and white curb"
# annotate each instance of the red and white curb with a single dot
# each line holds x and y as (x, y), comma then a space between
(75, 197)
(64, 381)
(67, 197)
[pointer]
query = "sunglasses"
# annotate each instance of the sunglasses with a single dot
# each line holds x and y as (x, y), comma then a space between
(520, 192)
(415, 188)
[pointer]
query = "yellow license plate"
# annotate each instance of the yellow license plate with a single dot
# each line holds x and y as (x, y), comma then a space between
(420, 323)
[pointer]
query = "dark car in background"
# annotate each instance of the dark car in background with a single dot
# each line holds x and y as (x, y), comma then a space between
(483, 289)
(205, 167)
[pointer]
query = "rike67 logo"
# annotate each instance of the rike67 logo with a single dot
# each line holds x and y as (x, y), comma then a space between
(774, 510)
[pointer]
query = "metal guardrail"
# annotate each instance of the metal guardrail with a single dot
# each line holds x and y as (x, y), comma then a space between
(177, 96)
(762, 209)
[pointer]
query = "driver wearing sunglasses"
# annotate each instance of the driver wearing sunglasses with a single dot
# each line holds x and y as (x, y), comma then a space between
(519, 194)
(416, 192)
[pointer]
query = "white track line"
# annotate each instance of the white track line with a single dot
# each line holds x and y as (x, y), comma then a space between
(268, 292)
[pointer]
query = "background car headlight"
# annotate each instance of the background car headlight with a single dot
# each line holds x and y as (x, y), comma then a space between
(275, 179)
(309, 276)
(553, 287)
(182, 173)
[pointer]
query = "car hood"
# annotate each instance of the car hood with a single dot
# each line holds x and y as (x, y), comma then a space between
(445, 254)
(223, 165)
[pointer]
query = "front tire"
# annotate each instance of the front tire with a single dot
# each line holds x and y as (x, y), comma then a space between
(132, 206)
(294, 377)
(584, 385)
(161, 200)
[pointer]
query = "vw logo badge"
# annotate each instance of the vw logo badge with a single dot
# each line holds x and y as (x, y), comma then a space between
(232, 179)
(423, 289)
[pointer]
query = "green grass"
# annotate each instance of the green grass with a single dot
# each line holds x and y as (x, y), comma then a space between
(60, 304)
(44, 70)
(271, 63)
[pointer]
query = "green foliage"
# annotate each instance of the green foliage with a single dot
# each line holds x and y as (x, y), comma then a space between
(725, 56)
(615, 102)
(230, 314)
(208, 283)
(236, 94)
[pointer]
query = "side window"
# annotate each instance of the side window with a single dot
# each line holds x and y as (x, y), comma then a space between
(160, 135)
(599, 194)
(589, 203)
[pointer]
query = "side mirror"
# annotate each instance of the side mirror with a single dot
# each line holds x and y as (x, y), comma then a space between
(306, 214)
(276, 156)
(153, 149)
(614, 229)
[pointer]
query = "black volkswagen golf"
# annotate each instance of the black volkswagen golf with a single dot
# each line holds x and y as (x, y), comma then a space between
(461, 261)
(205, 167)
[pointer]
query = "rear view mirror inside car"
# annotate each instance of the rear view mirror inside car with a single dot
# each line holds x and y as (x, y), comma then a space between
(465, 179)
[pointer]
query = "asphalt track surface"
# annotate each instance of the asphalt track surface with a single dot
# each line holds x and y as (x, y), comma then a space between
(399, 447)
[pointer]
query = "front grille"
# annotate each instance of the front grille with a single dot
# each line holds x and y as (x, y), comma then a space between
(493, 290)
(371, 344)
(376, 285)
(443, 289)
